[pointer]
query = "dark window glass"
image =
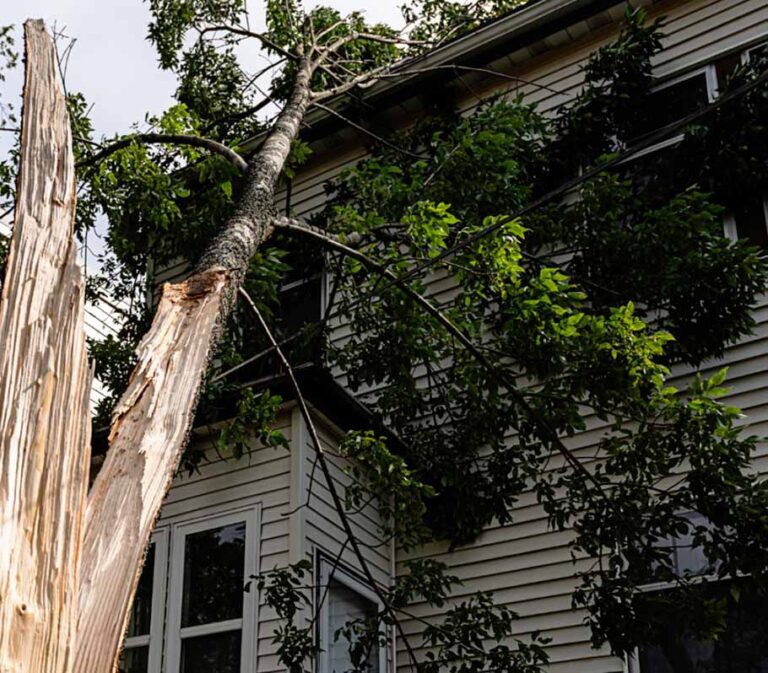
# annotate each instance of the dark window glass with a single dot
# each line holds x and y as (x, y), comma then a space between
(214, 564)
(134, 660)
(751, 222)
(141, 610)
(671, 103)
(742, 648)
(299, 305)
(759, 52)
(217, 653)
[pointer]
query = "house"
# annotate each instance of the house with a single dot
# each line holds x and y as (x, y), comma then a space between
(234, 519)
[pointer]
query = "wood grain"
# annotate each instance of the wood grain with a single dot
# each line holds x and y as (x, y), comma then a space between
(44, 387)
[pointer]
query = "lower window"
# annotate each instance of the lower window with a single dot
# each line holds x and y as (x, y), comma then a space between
(742, 647)
(210, 623)
(343, 599)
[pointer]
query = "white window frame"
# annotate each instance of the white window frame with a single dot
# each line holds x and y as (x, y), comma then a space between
(154, 639)
(712, 92)
(747, 53)
(328, 570)
(729, 220)
(247, 624)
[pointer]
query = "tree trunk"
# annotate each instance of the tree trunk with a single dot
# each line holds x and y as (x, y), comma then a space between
(44, 388)
(152, 420)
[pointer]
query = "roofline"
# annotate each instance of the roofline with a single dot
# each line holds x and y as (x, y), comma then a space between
(539, 17)
(517, 23)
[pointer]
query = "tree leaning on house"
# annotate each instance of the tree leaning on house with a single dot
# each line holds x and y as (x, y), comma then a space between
(581, 271)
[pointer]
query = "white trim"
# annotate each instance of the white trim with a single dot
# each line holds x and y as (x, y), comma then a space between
(328, 570)
(154, 638)
(251, 516)
(298, 489)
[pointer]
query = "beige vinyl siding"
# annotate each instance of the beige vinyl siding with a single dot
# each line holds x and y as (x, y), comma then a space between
(262, 477)
(324, 532)
(527, 565)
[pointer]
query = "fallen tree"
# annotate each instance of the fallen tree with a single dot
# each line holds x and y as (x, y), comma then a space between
(590, 349)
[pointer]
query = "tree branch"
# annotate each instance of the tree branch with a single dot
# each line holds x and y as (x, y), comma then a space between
(548, 432)
(330, 483)
(212, 146)
(267, 42)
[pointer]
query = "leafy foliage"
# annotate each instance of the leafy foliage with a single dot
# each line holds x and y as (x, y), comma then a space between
(581, 307)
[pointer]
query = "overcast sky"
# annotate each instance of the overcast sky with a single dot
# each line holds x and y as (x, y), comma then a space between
(114, 65)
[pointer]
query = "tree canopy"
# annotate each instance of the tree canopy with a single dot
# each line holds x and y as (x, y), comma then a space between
(580, 270)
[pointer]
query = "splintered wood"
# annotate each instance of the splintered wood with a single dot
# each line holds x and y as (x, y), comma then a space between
(148, 433)
(44, 388)
(70, 562)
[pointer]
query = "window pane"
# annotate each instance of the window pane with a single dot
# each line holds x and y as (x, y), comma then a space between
(134, 660)
(673, 102)
(742, 648)
(141, 610)
(214, 565)
(750, 222)
(219, 653)
(346, 605)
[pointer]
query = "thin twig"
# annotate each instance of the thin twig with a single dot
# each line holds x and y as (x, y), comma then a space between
(330, 483)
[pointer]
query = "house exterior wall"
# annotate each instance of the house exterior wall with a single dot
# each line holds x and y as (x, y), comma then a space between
(527, 565)
(294, 516)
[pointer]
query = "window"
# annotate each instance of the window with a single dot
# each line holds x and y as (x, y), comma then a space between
(211, 618)
(211, 621)
(142, 652)
(674, 99)
(742, 648)
(749, 221)
(343, 598)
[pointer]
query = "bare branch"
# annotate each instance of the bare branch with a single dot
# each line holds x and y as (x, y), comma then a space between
(169, 139)
(361, 80)
(330, 483)
(378, 138)
(244, 32)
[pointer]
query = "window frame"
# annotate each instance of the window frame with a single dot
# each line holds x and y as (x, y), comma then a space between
(746, 55)
(247, 624)
(328, 569)
(729, 220)
(154, 639)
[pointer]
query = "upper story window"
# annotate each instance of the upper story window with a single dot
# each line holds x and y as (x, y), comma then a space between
(676, 98)
(206, 621)
(743, 645)
(343, 599)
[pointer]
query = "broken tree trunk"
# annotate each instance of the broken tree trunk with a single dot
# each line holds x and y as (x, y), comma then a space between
(44, 388)
(153, 418)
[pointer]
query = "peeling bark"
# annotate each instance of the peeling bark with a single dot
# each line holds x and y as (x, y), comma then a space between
(44, 388)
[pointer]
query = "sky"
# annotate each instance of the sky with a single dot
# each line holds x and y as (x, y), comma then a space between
(113, 64)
